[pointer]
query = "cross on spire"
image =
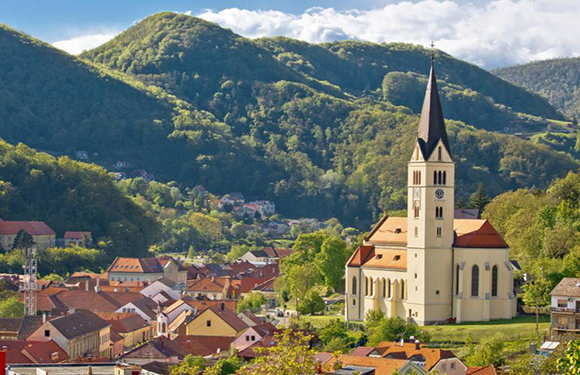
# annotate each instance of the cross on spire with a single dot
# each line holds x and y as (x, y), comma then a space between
(432, 45)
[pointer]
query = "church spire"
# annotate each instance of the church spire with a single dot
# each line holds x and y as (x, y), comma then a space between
(432, 125)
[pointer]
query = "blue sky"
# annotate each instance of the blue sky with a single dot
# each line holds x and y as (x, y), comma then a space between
(489, 33)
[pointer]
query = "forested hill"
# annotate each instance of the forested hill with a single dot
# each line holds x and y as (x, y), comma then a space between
(195, 59)
(69, 195)
(558, 80)
(198, 104)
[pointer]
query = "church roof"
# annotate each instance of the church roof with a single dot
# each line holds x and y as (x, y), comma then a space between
(392, 231)
(432, 124)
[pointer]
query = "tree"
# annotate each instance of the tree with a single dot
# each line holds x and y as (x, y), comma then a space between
(393, 329)
(569, 363)
(252, 301)
(237, 251)
(479, 199)
(537, 292)
(11, 307)
(300, 279)
(53, 277)
(330, 261)
(190, 365)
(489, 352)
(311, 303)
(290, 356)
(23, 240)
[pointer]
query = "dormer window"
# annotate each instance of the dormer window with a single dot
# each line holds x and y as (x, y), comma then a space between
(398, 231)
(379, 256)
(397, 257)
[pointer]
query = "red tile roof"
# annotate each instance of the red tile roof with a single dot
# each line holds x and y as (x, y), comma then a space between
(477, 370)
(135, 265)
(204, 345)
(208, 284)
(34, 228)
(71, 235)
(247, 284)
(45, 352)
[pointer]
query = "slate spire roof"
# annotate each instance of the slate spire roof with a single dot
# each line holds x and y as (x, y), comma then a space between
(432, 124)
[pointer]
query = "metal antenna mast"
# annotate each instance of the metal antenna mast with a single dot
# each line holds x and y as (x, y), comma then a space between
(29, 286)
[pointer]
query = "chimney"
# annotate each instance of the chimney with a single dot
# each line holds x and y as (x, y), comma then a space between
(71, 310)
(223, 306)
(43, 318)
(89, 370)
(417, 344)
(98, 286)
(87, 285)
(402, 342)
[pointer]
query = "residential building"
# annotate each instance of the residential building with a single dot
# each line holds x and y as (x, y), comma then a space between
(429, 267)
(252, 335)
(43, 236)
(132, 328)
(565, 310)
(77, 238)
(173, 270)
(210, 287)
(79, 334)
(232, 199)
(266, 255)
(265, 208)
(161, 350)
(162, 285)
(147, 269)
(205, 345)
(216, 321)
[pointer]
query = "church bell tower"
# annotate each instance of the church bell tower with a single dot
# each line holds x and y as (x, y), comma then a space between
(430, 213)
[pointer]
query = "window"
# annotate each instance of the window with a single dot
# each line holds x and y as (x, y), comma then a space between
(208, 323)
(416, 211)
(418, 177)
(384, 288)
(444, 178)
(439, 212)
(434, 177)
(494, 280)
(444, 367)
(47, 333)
(452, 366)
(366, 286)
(354, 302)
(371, 286)
(439, 179)
(439, 153)
(354, 285)
(562, 303)
(457, 279)
(416, 232)
(402, 289)
(253, 338)
(389, 288)
(438, 231)
(475, 280)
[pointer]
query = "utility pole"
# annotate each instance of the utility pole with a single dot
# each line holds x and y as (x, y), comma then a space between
(29, 286)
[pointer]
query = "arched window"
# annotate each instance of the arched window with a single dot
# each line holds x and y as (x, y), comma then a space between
(389, 288)
(475, 280)
(439, 179)
(439, 153)
(371, 283)
(366, 286)
(438, 212)
(414, 178)
(457, 279)
(384, 288)
(444, 178)
(419, 177)
(402, 289)
(416, 211)
(434, 177)
(354, 285)
(494, 280)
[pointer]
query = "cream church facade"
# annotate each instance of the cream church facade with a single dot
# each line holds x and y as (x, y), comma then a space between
(429, 267)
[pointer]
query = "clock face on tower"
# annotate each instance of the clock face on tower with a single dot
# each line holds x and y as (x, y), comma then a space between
(439, 194)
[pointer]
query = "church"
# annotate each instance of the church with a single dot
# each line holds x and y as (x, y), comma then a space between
(431, 267)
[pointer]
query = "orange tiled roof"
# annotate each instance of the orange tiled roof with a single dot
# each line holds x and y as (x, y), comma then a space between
(387, 258)
(477, 233)
(477, 370)
(135, 265)
(208, 284)
(34, 228)
(432, 355)
(45, 352)
(383, 366)
(204, 345)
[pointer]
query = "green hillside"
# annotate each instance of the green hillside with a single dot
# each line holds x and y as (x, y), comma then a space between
(69, 195)
(197, 104)
(557, 80)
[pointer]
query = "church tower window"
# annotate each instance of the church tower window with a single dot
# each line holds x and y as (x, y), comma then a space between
(384, 288)
(439, 153)
(366, 286)
(494, 280)
(438, 212)
(389, 288)
(434, 177)
(416, 211)
(444, 178)
(354, 285)
(438, 231)
(402, 289)
(475, 281)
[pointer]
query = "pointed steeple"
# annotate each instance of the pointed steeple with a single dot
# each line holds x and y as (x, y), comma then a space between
(432, 124)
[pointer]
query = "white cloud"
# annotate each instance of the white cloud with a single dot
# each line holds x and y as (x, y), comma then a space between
(501, 32)
(82, 43)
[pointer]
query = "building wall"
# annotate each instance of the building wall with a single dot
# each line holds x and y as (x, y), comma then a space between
(133, 276)
(42, 242)
(199, 327)
(140, 335)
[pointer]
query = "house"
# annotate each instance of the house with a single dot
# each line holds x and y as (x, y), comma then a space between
(162, 285)
(239, 288)
(232, 199)
(146, 269)
(43, 236)
(565, 310)
(250, 319)
(173, 270)
(79, 334)
(78, 238)
(267, 289)
(210, 287)
(19, 328)
(216, 321)
(146, 308)
(120, 164)
(205, 346)
(161, 350)
(155, 368)
(45, 353)
(132, 328)
(58, 300)
(82, 155)
(252, 335)
(429, 267)
(266, 255)
(265, 208)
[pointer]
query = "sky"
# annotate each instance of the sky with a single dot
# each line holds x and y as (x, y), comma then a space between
(489, 33)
